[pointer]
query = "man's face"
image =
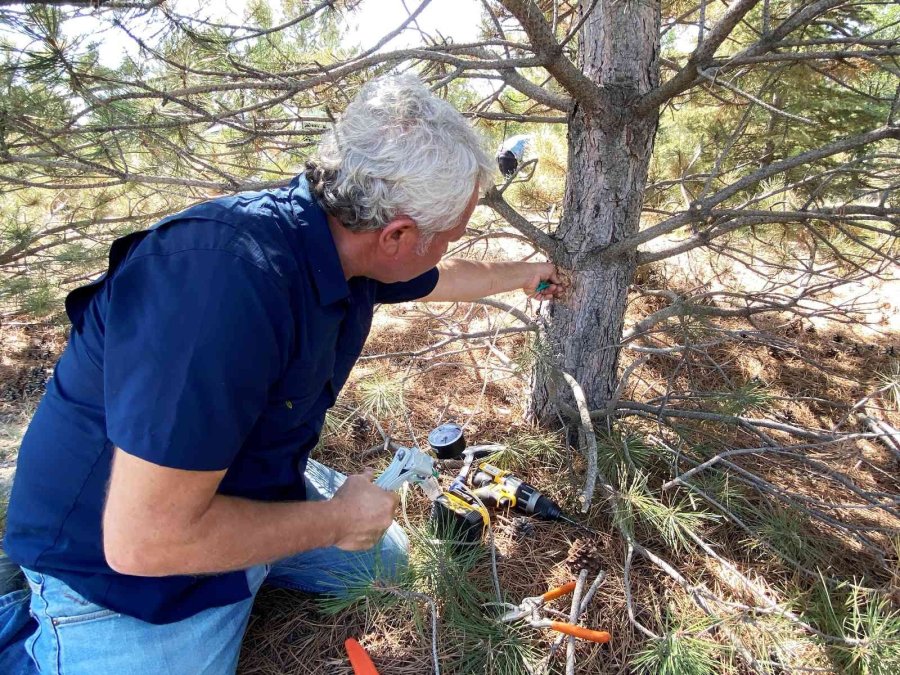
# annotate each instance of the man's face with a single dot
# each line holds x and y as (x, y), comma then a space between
(431, 255)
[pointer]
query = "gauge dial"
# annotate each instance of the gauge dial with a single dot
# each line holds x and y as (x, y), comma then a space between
(447, 440)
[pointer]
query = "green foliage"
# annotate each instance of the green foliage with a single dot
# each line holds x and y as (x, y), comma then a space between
(790, 534)
(71, 253)
(623, 448)
(678, 651)
(839, 98)
(751, 397)
(337, 422)
(447, 571)
(13, 290)
(675, 654)
(849, 245)
(865, 618)
(102, 137)
(671, 522)
(17, 232)
(380, 395)
(724, 489)
(444, 567)
(544, 192)
(454, 576)
(889, 380)
(40, 299)
(529, 449)
(532, 353)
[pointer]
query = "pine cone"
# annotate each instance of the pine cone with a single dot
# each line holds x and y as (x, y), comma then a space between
(360, 428)
(584, 554)
(521, 528)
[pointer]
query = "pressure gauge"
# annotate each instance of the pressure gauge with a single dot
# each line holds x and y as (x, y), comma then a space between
(447, 441)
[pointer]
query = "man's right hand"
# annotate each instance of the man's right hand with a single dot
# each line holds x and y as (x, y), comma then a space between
(366, 512)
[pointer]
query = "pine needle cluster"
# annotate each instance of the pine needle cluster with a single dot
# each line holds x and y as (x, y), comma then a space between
(868, 620)
(456, 577)
(681, 649)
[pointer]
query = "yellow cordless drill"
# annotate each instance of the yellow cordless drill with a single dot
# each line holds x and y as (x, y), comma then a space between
(501, 489)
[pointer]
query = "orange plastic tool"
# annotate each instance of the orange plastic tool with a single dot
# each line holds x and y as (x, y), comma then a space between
(558, 592)
(359, 659)
(530, 610)
(579, 632)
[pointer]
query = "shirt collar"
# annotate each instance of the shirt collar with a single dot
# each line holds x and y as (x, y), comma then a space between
(318, 244)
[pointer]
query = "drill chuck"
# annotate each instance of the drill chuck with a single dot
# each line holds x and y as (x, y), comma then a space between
(533, 502)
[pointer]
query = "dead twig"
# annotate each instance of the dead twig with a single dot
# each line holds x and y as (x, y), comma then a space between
(573, 619)
(589, 446)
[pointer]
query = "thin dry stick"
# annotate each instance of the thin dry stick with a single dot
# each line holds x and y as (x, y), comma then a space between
(859, 405)
(629, 554)
(477, 405)
(412, 595)
(590, 446)
(888, 436)
(623, 382)
(769, 607)
(573, 618)
(711, 75)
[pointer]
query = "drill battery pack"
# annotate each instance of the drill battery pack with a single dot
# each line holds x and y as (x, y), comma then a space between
(457, 517)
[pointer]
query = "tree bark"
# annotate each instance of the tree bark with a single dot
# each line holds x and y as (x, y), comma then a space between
(609, 154)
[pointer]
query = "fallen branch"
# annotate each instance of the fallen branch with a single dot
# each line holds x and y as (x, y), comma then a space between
(585, 603)
(626, 406)
(573, 619)
(888, 436)
(589, 446)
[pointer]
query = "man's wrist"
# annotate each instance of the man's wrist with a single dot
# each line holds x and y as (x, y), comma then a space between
(524, 273)
(327, 522)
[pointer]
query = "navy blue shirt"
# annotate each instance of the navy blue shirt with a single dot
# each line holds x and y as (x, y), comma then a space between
(216, 340)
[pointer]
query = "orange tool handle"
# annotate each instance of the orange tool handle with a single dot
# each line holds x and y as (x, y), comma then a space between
(579, 632)
(359, 659)
(558, 592)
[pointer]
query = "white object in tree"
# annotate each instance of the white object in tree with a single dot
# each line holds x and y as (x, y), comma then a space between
(511, 152)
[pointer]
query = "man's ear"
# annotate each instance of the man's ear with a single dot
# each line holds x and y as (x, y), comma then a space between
(398, 236)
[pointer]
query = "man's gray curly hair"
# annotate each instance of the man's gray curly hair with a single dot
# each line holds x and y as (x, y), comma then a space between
(398, 150)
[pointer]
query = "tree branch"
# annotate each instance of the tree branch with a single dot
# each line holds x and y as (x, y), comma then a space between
(626, 406)
(687, 76)
(548, 49)
(701, 59)
(700, 210)
(522, 84)
(589, 446)
(547, 243)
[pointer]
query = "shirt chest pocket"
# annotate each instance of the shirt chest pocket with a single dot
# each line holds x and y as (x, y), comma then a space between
(303, 393)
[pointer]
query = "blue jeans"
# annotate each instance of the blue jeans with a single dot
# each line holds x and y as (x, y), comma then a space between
(78, 637)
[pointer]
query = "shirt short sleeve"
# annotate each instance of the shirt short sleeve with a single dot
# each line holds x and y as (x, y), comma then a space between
(406, 291)
(193, 341)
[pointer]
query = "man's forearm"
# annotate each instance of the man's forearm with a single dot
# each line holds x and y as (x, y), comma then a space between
(232, 534)
(465, 280)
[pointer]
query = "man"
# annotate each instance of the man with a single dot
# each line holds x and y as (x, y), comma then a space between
(165, 474)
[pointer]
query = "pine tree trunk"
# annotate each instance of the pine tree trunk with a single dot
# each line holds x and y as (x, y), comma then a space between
(609, 153)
